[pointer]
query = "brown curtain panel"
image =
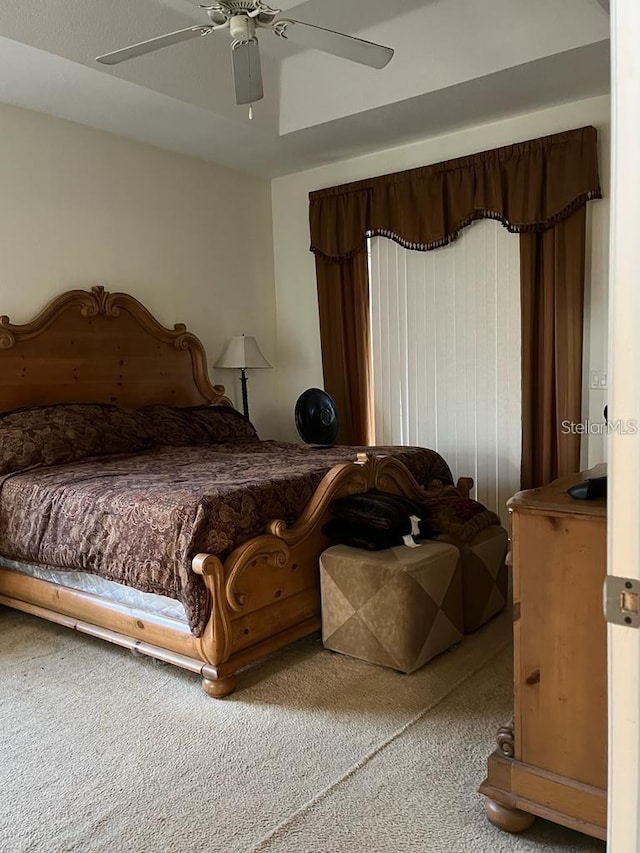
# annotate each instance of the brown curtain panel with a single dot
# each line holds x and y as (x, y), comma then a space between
(533, 188)
(552, 297)
(343, 302)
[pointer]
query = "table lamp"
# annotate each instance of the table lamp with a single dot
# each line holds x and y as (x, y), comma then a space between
(242, 353)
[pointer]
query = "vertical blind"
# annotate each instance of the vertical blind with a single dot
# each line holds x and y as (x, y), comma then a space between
(446, 354)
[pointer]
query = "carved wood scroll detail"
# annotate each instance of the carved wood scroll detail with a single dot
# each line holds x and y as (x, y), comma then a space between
(369, 471)
(265, 549)
(216, 640)
(505, 740)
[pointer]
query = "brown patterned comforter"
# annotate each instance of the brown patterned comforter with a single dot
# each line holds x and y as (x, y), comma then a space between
(140, 519)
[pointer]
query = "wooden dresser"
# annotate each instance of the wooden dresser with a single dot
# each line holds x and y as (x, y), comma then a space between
(552, 760)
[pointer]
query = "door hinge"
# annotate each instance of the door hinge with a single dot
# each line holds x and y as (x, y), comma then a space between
(622, 601)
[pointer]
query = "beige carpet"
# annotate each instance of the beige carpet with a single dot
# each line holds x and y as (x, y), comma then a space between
(315, 752)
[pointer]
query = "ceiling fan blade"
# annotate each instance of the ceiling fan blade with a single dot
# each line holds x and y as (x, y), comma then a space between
(152, 44)
(339, 44)
(247, 72)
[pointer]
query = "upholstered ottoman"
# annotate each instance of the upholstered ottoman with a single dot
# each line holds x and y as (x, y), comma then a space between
(398, 607)
(484, 575)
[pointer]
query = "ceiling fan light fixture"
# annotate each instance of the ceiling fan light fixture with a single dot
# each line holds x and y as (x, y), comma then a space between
(253, 8)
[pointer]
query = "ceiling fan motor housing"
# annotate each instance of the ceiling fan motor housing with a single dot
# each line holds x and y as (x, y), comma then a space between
(224, 11)
(242, 28)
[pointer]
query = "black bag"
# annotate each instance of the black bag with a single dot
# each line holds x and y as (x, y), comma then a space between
(360, 535)
(376, 520)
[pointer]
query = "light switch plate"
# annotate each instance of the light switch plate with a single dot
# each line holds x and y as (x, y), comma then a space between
(598, 380)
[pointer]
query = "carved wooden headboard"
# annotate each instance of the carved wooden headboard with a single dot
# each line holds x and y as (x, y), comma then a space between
(90, 346)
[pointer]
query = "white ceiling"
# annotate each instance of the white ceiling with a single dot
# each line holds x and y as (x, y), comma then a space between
(457, 62)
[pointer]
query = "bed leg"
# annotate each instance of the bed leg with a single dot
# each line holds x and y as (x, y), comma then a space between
(219, 687)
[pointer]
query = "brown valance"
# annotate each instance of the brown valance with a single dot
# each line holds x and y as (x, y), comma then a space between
(529, 187)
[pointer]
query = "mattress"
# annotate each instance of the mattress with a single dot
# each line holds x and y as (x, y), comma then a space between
(148, 602)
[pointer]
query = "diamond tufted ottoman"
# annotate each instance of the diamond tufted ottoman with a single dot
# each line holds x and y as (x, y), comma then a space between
(399, 607)
(484, 575)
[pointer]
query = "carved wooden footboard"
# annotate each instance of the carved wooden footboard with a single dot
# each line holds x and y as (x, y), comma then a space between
(266, 594)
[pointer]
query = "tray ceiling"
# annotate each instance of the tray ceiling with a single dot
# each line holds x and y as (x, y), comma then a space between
(457, 62)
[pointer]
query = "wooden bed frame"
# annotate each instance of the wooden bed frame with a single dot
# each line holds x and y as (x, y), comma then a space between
(99, 347)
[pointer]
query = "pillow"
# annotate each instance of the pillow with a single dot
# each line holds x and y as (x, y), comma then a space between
(68, 432)
(168, 425)
(223, 424)
(54, 435)
(458, 517)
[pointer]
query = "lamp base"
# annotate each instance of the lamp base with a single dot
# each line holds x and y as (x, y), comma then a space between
(245, 399)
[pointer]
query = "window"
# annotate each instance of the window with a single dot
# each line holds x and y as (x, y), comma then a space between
(446, 354)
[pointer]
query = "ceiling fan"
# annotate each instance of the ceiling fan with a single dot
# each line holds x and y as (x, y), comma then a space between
(242, 18)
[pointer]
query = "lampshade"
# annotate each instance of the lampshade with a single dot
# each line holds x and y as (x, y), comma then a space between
(242, 351)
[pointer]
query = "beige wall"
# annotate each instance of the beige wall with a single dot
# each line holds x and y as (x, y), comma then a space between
(298, 353)
(191, 240)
